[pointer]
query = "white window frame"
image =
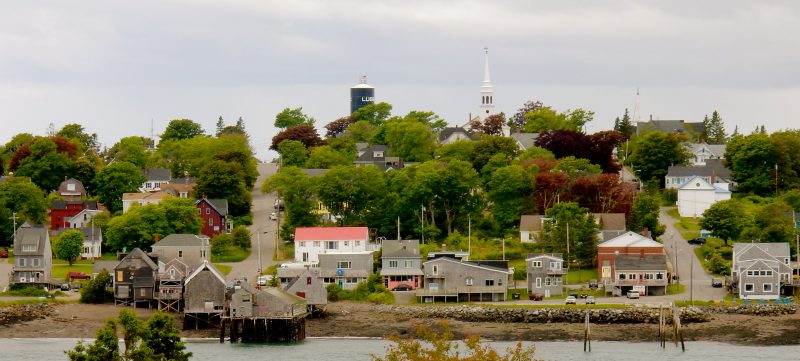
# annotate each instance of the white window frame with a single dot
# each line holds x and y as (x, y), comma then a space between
(392, 264)
(536, 264)
(489, 283)
(344, 264)
(435, 270)
(749, 285)
(767, 285)
(538, 282)
(408, 264)
(469, 281)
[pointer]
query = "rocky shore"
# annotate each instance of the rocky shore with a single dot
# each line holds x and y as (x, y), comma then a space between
(766, 324)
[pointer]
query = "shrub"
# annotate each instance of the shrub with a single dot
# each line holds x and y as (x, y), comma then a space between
(24, 290)
(333, 292)
(96, 290)
(385, 297)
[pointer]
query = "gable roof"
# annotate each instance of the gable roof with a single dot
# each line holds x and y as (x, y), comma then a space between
(182, 240)
(35, 235)
(449, 131)
(156, 174)
(100, 265)
(666, 126)
(696, 183)
(713, 167)
(631, 239)
(59, 204)
(78, 191)
(368, 154)
(219, 205)
(553, 256)
(137, 253)
(610, 221)
(640, 263)
(89, 234)
(305, 272)
(476, 264)
(525, 140)
(206, 265)
(407, 248)
(330, 233)
(760, 250)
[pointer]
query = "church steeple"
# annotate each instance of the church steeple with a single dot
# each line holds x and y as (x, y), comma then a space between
(487, 92)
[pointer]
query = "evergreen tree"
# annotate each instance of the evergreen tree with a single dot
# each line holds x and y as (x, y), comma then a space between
(735, 131)
(625, 124)
(706, 127)
(240, 125)
(715, 130)
(220, 125)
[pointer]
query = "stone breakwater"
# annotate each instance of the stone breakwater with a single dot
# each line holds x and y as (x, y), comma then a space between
(22, 313)
(628, 315)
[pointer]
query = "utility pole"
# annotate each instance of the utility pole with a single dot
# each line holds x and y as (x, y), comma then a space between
(567, 222)
(469, 235)
(14, 219)
(796, 237)
(422, 221)
(691, 282)
(398, 228)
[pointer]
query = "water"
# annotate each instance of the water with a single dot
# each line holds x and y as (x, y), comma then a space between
(329, 349)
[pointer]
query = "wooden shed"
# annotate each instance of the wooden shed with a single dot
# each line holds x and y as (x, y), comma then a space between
(135, 279)
(204, 297)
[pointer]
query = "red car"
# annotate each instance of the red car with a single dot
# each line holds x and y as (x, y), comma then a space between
(3, 253)
(77, 275)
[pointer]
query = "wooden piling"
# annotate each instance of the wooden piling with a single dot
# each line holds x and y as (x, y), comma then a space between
(587, 335)
(222, 332)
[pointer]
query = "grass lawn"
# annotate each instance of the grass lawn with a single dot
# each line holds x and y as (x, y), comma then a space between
(581, 276)
(60, 270)
(225, 269)
(230, 254)
(688, 227)
(675, 288)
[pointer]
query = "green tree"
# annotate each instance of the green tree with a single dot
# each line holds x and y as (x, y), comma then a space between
(116, 179)
(461, 150)
(164, 339)
(104, 348)
(350, 192)
(137, 227)
(625, 126)
(716, 130)
(241, 237)
(327, 156)
(508, 189)
(225, 180)
(220, 126)
(725, 219)
(298, 192)
(178, 129)
(130, 149)
(582, 232)
(431, 119)
(69, 245)
(76, 133)
(375, 114)
(361, 131)
(412, 141)
(46, 161)
(751, 160)
(772, 222)
(96, 290)
(293, 153)
(18, 194)
(654, 152)
(645, 215)
(288, 118)
(488, 146)
(449, 187)
(536, 152)
(577, 167)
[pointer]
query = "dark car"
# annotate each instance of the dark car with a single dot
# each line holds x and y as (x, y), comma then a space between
(698, 240)
(402, 288)
(3, 253)
(536, 297)
(716, 282)
(78, 275)
(592, 283)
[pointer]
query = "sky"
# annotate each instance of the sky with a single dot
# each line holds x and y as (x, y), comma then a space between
(117, 67)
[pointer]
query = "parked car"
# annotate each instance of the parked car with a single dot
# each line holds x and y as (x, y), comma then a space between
(592, 283)
(77, 275)
(65, 286)
(273, 216)
(262, 280)
(571, 300)
(3, 253)
(536, 297)
(697, 240)
(716, 282)
(590, 300)
(633, 294)
(403, 287)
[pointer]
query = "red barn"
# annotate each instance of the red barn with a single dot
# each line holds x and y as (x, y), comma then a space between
(214, 213)
(63, 210)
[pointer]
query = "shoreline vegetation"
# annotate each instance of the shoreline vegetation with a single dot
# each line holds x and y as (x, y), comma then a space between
(360, 320)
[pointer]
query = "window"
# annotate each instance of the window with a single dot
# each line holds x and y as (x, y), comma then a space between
(538, 282)
(358, 243)
(649, 276)
(316, 244)
(308, 280)
(748, 287)
(35, 262)
(536, 264)
(331, 245)
(490, 282)
(351, 280)
(785, 261)
(749, 273)
(208, 210)
(622, 276)
(769, 273)
(435, 270)
(211, 221)
(71, 186)
(29, 247)
(143, 292)
(659, 276)
(392, 264)
(409, 264)
(302, 243)
(343, 264)
(171, 272)
(85, 249)
(119, 276)
(469, 281)
(768, 287)
(328, 280)
(22, 262)
(499, 281)
(555, 265)
(346, 243)
(547, 281)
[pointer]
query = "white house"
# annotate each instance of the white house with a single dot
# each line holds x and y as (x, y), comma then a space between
(310, 242)
(83, 219)
(696, 195)
(702, 152)
(142, 199)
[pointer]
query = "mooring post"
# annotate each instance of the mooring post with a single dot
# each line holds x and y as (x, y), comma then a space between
(587, 335)
(222, 332)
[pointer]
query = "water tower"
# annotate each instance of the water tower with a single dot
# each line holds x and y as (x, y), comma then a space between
(361, 94)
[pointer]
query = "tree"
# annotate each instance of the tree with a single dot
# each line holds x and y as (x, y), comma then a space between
(604, 193)
(645, 215)
(178, 129)
(576, 167)
(518, 119)
(157, 340)
(298, 192)
(536, 152)
(461, 150)
(350, 192)
(139, 226)
(772, 222)
(327, 157)
(338, 126)
(76, 133)
(439, 346)
(241, 237)
(448, 187)
(492, 125)
(551, 187)
(45, 160)
(725, 219)
(96, 290)
(625, 126)
(654, 152)
(375, 114)
(288, 118)
(293, 153)
(751, 160)
(412, 141)
(225, 180)
(489, 145)
(304, 133)
(131, 150)
(508, 190)
(116, 179)
(69, 245)
(716, 130)
(19, 195)
(220, 126)
(544, 119)
(572, 231)
(431, 119)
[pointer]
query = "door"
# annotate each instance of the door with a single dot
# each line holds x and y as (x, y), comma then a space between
(305, 256)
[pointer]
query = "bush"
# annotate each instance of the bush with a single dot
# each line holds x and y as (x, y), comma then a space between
(241, 237)
(385, 297)
(96, 290)
(333, 292)
(24, 290)
(669, 197)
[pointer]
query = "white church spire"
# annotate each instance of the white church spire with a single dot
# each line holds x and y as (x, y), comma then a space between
(487, 92)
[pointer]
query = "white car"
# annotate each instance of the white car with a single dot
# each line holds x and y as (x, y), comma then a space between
(273, 216)
(571, 300)
(262, 280)
(633, 294)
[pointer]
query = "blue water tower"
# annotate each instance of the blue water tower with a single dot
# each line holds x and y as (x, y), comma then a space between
(361, 95)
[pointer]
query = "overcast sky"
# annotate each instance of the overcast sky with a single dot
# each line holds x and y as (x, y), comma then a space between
(114, 66)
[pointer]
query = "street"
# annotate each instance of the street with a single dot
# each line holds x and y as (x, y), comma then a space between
(263, 229)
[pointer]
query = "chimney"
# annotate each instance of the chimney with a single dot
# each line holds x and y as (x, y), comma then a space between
(518, 130)
(646, 233)
(155, 236)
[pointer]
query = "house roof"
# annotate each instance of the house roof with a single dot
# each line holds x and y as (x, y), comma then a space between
(79, 189)
(289, 272)
(525, 140)
(631, 239)
(401, 272)
(282, 296)
(36, 235)
(89, 234)
(368, 154)
(182, 240)
(531, 222)
(206, 265)
(775, 250)
(610, 221)
(156, 174)
(104, 265)
(143, 196)
(449, 131)
(330, 233)
(58, 204)
(477, 264)
(407, 248)
(713, 167)
(219, 205)
(717, 150)
(304, 272)
(666, 126)
(553, 256)
(137, 253)
(696, 183)
(177, 187)
(640, 263)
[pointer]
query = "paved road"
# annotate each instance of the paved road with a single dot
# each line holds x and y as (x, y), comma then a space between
(262, 207)
(689, 270)
(5, 270)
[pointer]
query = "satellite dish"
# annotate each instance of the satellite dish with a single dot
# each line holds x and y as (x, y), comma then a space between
(340, 272)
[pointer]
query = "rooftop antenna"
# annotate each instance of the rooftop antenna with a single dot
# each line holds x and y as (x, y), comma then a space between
(152, 136)
(362, 79)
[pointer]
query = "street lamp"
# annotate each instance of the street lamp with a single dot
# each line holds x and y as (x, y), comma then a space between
(258, 237)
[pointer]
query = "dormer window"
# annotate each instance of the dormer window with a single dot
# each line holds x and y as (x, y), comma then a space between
(71, 186)
(29, 248)
(377, 154)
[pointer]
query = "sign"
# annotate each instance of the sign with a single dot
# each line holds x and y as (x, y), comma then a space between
(340, 272)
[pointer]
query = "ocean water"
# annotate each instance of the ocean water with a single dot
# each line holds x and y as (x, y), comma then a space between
(357, 349)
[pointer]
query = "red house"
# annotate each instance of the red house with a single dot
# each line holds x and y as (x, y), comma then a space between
(214, 213)
(629, 254)
(63, 210)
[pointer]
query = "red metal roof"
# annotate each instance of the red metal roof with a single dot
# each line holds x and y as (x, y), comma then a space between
(330, 233)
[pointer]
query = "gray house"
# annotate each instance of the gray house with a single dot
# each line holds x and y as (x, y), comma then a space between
(135, 279)
(545, 273)
(401, 264)
(646, 274)
(345, 269)
(448, 279)
(759, 270)
(33, 258)
(308, 285)
(271, 303)
(204, 296)
(191, 249)
(377, 155)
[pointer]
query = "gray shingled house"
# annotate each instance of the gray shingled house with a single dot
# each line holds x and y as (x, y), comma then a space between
(308, 285)
(545, 273)
(135, 278)
(204, 297)
(644, 273)
(760, 270)
(448, 279)
(33, 258)
(345, 269)
(191, 249)
(401, 264)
